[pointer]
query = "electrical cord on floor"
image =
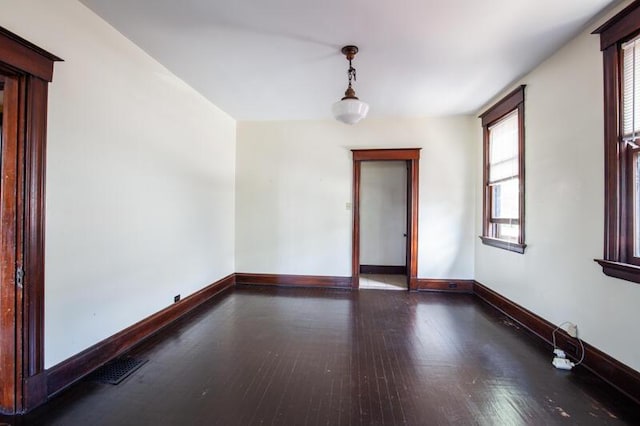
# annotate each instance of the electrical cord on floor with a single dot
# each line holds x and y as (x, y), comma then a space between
(553, 336)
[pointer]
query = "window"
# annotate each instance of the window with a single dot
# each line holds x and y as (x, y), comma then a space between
(503, 218)
(620, 44)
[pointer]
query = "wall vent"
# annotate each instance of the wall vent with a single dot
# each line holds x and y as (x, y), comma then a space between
(116, 371)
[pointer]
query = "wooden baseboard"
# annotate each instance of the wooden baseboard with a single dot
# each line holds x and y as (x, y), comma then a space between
(62, 375)
(449, 286)
(383, 269)
(294, 280)
(35, 391)
(612, 371)
(73, 369)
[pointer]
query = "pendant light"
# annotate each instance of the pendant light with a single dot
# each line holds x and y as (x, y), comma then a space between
(350, 109)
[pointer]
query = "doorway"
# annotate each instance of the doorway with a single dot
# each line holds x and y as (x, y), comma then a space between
(409, 157)
(25, 70)
(383, 225)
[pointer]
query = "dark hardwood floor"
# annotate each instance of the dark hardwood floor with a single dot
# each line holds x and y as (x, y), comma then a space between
(287, 356)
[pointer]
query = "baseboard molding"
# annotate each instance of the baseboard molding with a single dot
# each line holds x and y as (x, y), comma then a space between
(62, 375)
(35, 391)
(73, 369)
(293, 280)
(612, 371)
(448, 286)
(383, 269)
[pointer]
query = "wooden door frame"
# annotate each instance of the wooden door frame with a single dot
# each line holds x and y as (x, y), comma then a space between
(412, 157)
(30, 69)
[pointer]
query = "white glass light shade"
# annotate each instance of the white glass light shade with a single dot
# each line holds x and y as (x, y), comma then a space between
(350, 111)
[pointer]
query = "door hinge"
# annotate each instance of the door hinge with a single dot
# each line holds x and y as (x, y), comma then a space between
(19, 276)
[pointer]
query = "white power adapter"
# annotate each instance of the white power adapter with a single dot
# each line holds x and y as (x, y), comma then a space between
(562, 363)
(560, 360)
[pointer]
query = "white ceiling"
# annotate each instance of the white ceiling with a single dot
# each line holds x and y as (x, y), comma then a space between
(281, 60)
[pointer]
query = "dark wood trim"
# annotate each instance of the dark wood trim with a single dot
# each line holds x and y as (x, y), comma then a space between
(293, 280)
(612, 171)
(612, 371)
(34, 233)
(73, 369)
(355, 233)
(10, 250)
(412, 157)
(389, 154)
(30, 68)
(383, 269)
(413, 206)
(624, 271)
(446, 286)
(623, 25)
(25, 57)
(618, 251)
(35, 390)
(503, 244)
(521, 174)
(503, 107)
(514, 101)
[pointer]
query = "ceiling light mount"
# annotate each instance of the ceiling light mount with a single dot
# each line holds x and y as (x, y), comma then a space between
(350, 109)
(350, 52)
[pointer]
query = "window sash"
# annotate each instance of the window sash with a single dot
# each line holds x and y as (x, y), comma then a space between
(631, 216)
(630, 81)
(635, 203)
(508, 232)
(503, 147)
(503, 170)
(504, 199)
(629, 150)
(505, 220)
(617, 36)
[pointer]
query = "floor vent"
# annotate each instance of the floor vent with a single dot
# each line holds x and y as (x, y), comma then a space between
(116, 371)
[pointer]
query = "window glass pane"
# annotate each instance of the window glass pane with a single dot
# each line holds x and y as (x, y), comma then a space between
(503, 148)
(631, 88)
(503, 170)
(504, 196)
(636, 205)
(508, 232)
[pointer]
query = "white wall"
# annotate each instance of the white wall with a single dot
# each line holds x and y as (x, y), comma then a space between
(556, 277)
(294, 179)
(383, 213)
(140, 190)
(140, 179)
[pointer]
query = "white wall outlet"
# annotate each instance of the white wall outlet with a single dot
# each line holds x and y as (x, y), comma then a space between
(572, 330)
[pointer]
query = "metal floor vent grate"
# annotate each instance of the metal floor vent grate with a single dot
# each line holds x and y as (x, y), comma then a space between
(116, 371)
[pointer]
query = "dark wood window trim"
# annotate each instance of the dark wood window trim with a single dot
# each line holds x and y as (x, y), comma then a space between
(618, 260)
(412, 157)
(27, 70)
(512, 102)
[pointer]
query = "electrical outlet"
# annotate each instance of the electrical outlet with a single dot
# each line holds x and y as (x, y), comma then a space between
(572, 330)
(176, 298)
(571, 348)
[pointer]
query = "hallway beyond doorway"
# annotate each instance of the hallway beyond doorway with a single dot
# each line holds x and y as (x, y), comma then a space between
(383, 282)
